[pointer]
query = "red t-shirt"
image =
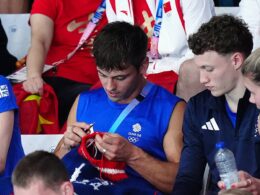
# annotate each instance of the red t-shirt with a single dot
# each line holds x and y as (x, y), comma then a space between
(70, 18)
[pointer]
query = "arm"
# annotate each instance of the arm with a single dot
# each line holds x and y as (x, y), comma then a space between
(195, 12)
(73, 134)
(6, 131)
(42, 33)
(13, 6)
(160, 174)
(192, 164)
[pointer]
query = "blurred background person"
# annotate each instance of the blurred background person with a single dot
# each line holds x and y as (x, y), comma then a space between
(57, 27)
(249, 11)
(168, 46)
(15, 6)
(8, 61)
(251, 73)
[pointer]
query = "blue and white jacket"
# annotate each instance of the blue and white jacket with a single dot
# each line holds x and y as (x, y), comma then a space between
(206, 122)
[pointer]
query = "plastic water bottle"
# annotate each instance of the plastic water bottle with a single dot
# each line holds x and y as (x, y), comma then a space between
(226, 165)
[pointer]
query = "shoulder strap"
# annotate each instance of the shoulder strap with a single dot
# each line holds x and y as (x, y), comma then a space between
(91, 25)
(179, 10)
(130, 107)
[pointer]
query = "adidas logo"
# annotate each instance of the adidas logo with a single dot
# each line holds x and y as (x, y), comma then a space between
(211, 125)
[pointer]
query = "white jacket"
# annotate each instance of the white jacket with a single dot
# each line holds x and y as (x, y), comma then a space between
(173, 45)
(250, 12)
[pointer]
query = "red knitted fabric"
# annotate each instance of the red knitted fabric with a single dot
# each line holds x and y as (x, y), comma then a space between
(111, 170)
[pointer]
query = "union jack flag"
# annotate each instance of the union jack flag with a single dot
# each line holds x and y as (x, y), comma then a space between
(4, 91)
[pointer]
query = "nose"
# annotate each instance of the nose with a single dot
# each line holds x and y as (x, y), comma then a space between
(203, 77)
(110, 85)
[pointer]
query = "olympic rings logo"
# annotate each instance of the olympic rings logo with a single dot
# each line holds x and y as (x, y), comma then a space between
(133, 139)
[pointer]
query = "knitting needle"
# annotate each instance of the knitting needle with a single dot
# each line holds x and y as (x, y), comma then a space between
(90, 129)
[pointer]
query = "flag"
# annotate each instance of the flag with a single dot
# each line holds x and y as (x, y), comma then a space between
(37, 114)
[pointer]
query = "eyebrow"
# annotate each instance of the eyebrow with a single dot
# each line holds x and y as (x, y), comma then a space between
(206, 66)
(120, 75)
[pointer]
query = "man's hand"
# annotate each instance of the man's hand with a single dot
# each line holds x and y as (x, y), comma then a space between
(115, 147)
(74, 134)
(246, 182)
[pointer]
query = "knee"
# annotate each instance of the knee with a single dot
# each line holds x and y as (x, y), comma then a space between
(188, 71)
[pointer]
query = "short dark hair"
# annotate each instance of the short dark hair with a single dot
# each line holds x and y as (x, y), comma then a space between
(224, 34)
(42, 166)
(118, 45)
(251, 67)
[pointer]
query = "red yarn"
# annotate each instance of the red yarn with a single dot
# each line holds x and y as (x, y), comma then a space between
(111, 170)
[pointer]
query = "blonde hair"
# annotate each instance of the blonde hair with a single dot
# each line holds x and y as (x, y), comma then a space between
(251, 67)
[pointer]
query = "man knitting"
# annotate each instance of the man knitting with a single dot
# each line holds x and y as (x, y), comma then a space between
(139, 124)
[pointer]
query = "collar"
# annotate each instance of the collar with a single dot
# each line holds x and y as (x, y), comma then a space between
(218, 103)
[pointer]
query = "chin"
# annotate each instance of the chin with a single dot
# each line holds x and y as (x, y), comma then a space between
(113, 99)
(216, 93)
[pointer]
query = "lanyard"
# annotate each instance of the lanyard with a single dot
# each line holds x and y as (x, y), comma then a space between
(156, 31)
(88, 30)
(130, 107)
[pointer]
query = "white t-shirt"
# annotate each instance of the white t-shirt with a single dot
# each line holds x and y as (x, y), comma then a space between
(250, 12)
(173, 45)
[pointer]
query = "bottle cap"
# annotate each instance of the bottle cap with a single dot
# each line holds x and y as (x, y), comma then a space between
(220, 144)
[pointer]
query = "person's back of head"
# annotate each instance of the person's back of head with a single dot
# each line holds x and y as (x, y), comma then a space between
(251, 67)
(224, 34)
(42, 169)
(119, 45)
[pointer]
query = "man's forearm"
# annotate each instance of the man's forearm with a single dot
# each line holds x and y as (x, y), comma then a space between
(159, 173)
(60, 149)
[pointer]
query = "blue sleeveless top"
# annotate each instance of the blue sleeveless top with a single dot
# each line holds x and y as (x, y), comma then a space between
(145, 126)
(7, 103)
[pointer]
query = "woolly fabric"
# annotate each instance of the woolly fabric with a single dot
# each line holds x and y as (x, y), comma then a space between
(111, 170)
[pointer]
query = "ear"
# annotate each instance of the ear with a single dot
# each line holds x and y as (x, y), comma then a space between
(143, 68)
(67, 188)
(237, 60)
